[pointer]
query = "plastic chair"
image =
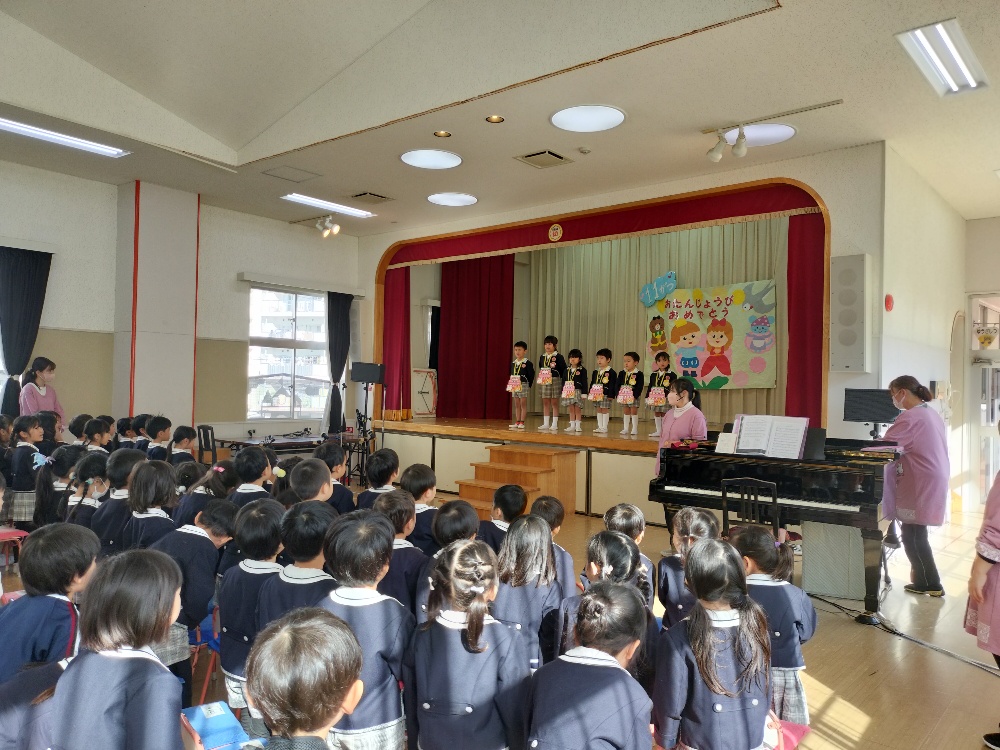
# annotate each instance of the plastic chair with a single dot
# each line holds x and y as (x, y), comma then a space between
(214, 647)
(9, 539)
(206, 442)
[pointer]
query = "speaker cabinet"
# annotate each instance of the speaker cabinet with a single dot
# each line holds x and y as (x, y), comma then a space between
(850, 310)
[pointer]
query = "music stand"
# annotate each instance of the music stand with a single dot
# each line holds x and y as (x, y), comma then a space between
(870, 406)
(369, 373)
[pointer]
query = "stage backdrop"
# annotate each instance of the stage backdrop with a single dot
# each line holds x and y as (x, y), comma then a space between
(588, 296)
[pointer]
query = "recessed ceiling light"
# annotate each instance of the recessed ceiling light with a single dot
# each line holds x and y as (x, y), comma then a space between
(327, 205)
(442, 134)
(945, 57)
(588, 118)
(429, 158)
(453, 199)
(494, 119)
(763, 134)
(51, 136)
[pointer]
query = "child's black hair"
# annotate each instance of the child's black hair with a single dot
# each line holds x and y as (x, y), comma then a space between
(52, 556)
(551, 509)
(626, 518)
(662, 355)
(108, 420)
(153, 485)
(258, 529)
(77, 424)
(551, 340)
(511, 500)
(120, 466)
(304, 527)
(382, 464)
(6, 423)
(49, 500)
(219, 517)
(682, 386)
(691, 524)
(250, 464)
(308, 478)
(139, 424)
(418, 479)
(218, 480)
(610, 618)
(758, 543)
(634, 356)
(574, 353)
(123, 426)
(280, 485)
(189, 474)
(48, 421)
(520, 345)
(332, 454)
(526, 553)
(38, 364)
(156, 425)
(181, 432)
(92, 465)
(358, 546)
(398, 506)
(605, 352)
(461, 578)
(617, 555)
(288, 499)
(454, 520)
(23, 424)
(93, 428)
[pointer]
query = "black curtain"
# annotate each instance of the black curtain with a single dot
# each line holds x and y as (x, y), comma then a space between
(432, 358)
(338, 327)
(24, 275)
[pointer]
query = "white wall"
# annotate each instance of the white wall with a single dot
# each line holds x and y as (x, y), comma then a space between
(982, 255)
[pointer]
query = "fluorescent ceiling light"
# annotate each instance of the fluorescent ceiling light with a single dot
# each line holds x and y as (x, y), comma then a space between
(764, 134)
(63, 140)
(453, 199)
(588, 118)
(944, 56)
(327, 206)
(431, 158)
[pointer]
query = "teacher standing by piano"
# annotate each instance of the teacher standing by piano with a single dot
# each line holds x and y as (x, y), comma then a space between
(916, 486)
(684, 421)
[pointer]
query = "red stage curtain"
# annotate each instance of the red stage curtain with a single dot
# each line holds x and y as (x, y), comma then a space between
(396, 344)
(476, 336)
(806, 274)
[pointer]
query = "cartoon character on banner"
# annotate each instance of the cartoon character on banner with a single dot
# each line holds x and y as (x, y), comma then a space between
(756, 301)
(760, 339)
(684, 337)
(657, 335)
(719, 339)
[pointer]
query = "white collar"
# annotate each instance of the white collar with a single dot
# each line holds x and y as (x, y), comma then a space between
(724, 618)
(421, 507)
(400, 544)
(130, 653)
(61, 597)
(94, 448)
(22, 444)
(502, 525)
(386, 488)
(78, 441)
(602, 370)
(59, 486)
(40, 388)
(199, 491)
(590, 657)
(189, 528)
(151, 513)
(763, 579)
(88, 502)
(352, 596)
(180, 450)
(153, 444)
(335, 481)
(247, 487)
(550, 356)
(678, 410)
(457, 620)
(119, 494)
(260, 566)
(295, 574)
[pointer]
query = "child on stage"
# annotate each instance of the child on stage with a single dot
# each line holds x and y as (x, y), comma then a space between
(603, 387)
(656, 392)
(629, 387)
(574, 390)
(522, 375)
(551, 374)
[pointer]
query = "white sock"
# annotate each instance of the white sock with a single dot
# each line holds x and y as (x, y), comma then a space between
(604, 419)
(635, 423)
(555, 422)
(545, 422)
(659, 423)
(625, 418)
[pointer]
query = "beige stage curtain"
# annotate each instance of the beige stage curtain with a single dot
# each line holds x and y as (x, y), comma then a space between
(588, 296)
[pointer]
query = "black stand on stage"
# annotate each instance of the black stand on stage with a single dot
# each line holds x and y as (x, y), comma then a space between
(369, 374)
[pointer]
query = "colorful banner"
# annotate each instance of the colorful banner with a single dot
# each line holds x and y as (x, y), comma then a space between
(720, 337)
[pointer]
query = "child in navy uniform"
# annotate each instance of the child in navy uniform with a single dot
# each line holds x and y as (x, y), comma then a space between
(302, 675)
(254, 470)
(195, 549)
(689, 525)
(791, 616)
(125, 437)
(57, 562)
(382, 470)
(551, 374)
(24, 462)
(471, 671)
(311, 480)
(603, 388)
(116, 695)
(96, 435)
(52, 484)
(551, 510)
(628, 519)
(109, 520)
(158, 429)
(91, 484)
(400, 582)
(528, 594)
(335, 457)
(218, 482)
(455, 521)
(661, 378)
(76, 426)
(257, 534)
(18, 710)
(152, 489)
(522, 376)
(139, 428)
(509, 502)
(359, 548)
(576, 374)
(180, 449)
(629, 392)
(591, 682)
(419, 481)
(304, 582)
(713, 668)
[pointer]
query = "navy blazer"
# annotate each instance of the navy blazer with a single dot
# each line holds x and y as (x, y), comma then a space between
(672, 591)
(633, 379)
(238, 596)
(143, 530)
(493, 533)
(108, 522)
(342, 499)
(197, 556)
(366, 500)
(292, 588)
(565, 571)
(405, 567)
(608, 381)
(529, 611)
(423, 535)
(557, 365)
(791, 618)
(526, 372)
(16, 695)
(157, 453)
(37, 629)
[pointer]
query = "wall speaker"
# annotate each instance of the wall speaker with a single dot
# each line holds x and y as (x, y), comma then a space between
(850, 310)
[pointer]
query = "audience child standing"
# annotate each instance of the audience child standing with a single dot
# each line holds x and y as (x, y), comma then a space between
(629, 389)
(24, 463)
(217, 482)
(456, 521)
(419, 480)
(359, 550)
(603, 384)
(335, 458)
(90, 484)
(509, 502)
(181, 446)
(400, 582)
(689, 525)
(628, 519)
(551, 510)
(382, 469)
(254, 470)
(153, 488)
(551, 374)
(656, 392)
(522, 376)
(96, 435)
(158, 429)
(575, 390)
(109, 520)
(52, 484)
(311, 480)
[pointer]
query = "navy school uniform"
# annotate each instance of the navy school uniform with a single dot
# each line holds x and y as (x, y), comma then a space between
(405, 567)
(565, 571)
(660, 380)
(22, 467)
(493, 533)
(238, 596)
(608, 381)
(580, 381)
(157, 452)
(108, 522)
(124, 443)
(117, 700)
(342, 498)
(556, 363)
(423, 536)
(634, 380)
(16, 695)
(525, 370)
(791, 618)
(48, 447)
(586, 700)
(180, 456)
(190, 505)
(247, 493)
(81, 512)
(141, 444)
(143, 530)
(672, 592)
(384, 629)
(464, 699)
(292, 588)
(650, 579)
(424, 588)
(686, 710)
(37, 629)
(197, 556)
(524, 609)
(367, 498)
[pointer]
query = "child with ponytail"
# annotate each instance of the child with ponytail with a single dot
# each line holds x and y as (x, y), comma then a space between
(52, 484)
(471, 673)
(90, 484)
(96, 435)
(791, 616)
(713, 681)
(689, 525)
(591, 682)
(181, 445)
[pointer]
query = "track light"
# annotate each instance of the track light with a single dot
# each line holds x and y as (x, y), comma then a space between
(740, 147)
(328, 227)
(715, 153)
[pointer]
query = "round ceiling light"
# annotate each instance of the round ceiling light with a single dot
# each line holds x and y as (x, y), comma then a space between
(442, 134)
(494, 119)
(763, 134)
(588, 118)
(429, 158)
(453, 199)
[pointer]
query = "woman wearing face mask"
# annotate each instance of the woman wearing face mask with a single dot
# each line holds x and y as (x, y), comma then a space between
(683, 421)
(37, 393)
(916, 485)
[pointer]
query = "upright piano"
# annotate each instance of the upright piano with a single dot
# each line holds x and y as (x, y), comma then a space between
(843, 488)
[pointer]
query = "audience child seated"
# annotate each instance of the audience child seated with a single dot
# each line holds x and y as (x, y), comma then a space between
(303, 677)
(109, 520)
(335, 457)
(181, 446)
(628, 519)
(407, 561)
(551, 510)
(382, 470)
(24, 463)
(96, 435)
(591, 682)
(76, 426)
(358, 548)
(254, 470)
(56, 563)
(689, 525)
(464, 658)
(195, 549)
(304, 582)
(257, 534)
(311, 480)
(217, 482)
(188, 473)
(455, 520)
(126, 435)
(158, 429)
(90, 487)
(419, 481)
(152, 489)
(139, 428)
(52, 482)
(281, 473)
(116, 695)
(51, 432)
(509, 502)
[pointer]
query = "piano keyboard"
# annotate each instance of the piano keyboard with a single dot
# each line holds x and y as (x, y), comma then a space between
(788, 501)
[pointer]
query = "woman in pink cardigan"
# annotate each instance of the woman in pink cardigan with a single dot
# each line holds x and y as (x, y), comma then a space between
(37, 393)
(683, 421)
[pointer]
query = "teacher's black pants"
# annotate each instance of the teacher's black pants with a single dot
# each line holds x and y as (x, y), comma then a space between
(918, 552)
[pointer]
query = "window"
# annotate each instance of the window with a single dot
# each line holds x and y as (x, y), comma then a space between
(289, 367)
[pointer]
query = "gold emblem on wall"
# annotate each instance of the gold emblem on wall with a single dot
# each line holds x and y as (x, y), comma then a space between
(555, 233)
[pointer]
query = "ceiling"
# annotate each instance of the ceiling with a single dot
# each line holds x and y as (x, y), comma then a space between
(270, 89)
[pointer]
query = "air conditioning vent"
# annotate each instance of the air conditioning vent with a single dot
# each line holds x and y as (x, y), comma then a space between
(370, 198)
(544, 159)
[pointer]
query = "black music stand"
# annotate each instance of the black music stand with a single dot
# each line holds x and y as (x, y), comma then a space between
(870, 406)
(370, 374)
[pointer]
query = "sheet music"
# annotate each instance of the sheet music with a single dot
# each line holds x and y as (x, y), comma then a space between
(754, 434)
(726, 443)
(788, 436)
